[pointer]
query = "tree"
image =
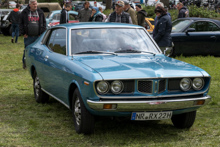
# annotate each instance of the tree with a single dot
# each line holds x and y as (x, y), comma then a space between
(108, 4)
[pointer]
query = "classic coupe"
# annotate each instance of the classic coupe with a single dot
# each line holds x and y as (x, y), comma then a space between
(113, 69)
(196, 36)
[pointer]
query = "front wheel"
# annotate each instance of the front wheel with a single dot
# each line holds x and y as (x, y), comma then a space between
(83, 120)
(40, 96)
(184, 120)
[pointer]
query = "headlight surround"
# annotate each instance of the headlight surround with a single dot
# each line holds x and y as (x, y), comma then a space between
(185, 84)
(198, 83)
(117, 87)
(102, 87)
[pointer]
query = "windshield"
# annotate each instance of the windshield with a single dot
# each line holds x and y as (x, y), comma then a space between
(111, 40)
(48, 16)
(179, 25)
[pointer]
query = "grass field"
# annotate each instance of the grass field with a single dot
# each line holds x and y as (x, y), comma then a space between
(25, 123)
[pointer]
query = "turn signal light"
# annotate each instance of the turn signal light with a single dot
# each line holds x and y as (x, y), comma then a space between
(109, 106)
(199, 102)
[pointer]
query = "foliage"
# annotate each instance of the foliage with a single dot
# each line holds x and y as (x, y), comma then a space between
(193, 12)
(25, 123)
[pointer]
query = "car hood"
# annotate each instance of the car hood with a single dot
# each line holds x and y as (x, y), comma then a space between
(139, 66)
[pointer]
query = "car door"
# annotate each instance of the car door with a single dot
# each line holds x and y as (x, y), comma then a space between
(200, 41)
(54, 59)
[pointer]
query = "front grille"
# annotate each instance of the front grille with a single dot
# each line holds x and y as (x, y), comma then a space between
(162, 86)
(174, 84)
(145, 86)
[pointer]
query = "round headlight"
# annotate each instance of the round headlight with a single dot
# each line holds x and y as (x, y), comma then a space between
(117, 87)
(185, 84)
(198, 83)
(102, 87)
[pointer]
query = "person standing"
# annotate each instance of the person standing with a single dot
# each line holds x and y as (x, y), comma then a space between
(162, 34)
(141, 14)
(85, 13)
(183, 11)
(32, 24)
(96, 15)
(119, 15)
(14, 20)
(64, 14)
(104, 16)
(131, 12)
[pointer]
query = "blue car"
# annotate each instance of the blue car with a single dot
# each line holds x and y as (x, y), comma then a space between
(116, 70)
(53, 18)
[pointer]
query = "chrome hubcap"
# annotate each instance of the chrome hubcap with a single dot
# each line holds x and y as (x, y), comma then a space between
(77, 111)
(37, 86)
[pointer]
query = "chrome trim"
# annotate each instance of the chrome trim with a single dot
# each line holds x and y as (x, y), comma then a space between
(152, 78)
(55, 98)
(147, 97)
(152, 105)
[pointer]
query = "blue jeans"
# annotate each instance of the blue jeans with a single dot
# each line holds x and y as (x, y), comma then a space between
(15, 31)
(27, 41)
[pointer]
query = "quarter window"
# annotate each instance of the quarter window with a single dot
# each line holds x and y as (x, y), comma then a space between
(203, 26)
(57, 41)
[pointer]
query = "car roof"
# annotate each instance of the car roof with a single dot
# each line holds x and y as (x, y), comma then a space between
(203, 19)
(98, 25)
(61, 10)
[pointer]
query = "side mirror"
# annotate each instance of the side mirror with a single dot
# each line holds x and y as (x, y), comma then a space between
(190, 30)
(168, 51)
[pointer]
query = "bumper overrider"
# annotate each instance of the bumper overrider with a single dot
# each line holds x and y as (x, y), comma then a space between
(149, 105)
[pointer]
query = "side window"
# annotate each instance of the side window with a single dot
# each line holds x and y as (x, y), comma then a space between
(213, 27)
(200, 26)
(56, 17)
(72, 17)
(57, 41)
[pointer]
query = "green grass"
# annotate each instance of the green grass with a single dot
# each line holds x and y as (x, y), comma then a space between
(23, 122)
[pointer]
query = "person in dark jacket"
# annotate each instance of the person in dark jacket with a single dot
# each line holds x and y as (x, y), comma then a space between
(32, 24)
(183, 11)
(96, 15)
(85, 13)
(141, 14)
(14, 20)
(119, 15)
(163, 29)
(64, 14)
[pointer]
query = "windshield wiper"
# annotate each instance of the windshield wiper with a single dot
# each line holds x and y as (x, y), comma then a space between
(128, 51)
(95, 52)
(133, 51)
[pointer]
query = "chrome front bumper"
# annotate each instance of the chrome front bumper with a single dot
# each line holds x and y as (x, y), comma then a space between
(152, 105)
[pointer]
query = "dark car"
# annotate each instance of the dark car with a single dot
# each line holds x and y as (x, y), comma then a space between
(196, 36)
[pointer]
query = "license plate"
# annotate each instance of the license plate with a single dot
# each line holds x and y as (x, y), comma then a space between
(151, 115)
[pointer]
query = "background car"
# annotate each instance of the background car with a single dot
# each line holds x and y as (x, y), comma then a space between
(48, 7)
(94, 71)
(12, 4)
(149, 24)
(53, 18)
(196, 36)
(79, 5)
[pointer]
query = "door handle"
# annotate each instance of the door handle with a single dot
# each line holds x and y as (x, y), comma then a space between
(213, 37)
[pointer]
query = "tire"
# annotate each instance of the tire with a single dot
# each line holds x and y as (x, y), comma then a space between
(5, 32)
(40, 96)
(184, 120)
(84, 122)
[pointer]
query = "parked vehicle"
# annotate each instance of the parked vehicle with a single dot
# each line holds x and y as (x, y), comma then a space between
(12, 4)
(79, 5)
(196, 36)
(53, 18)
(114, 69)
(5, 26)
(48, 7)
(149, 24)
